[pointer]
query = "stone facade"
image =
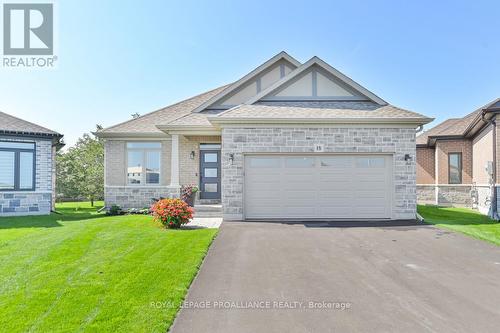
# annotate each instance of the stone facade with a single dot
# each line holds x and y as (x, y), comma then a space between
(396, 141)
(454, 195)
(136, 196)
(41, 200)
(426, 194)
(25, 203)
(448, 195)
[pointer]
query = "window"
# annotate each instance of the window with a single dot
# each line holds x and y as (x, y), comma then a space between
(370, 162)
(210, 157)
(299, 162)
(17, 166)
(455, 168)
(336, 162)
(265, 162)
(143, 163)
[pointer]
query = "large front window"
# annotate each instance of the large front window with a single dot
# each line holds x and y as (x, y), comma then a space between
(455, 168)
(17, 166)
(143, 165)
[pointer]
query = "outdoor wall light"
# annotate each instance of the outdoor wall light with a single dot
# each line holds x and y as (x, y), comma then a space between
(407, 157)
(192, 155)
(231, 158)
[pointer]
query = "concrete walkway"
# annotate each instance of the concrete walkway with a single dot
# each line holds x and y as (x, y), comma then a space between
(321, 277)
(204, 222)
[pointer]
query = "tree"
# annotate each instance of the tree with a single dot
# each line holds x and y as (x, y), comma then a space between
(80, 170)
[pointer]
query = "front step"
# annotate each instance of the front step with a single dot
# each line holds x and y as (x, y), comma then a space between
(208, 210)
(208, 201)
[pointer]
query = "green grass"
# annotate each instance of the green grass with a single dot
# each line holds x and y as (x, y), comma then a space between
(84, 271)
(464, 220)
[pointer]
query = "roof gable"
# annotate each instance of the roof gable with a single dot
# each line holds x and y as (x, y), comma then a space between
(316, 80)
(251, 84)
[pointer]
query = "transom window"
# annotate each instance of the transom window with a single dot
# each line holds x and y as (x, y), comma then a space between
(17, 166)
(143, 163)
(455, 168)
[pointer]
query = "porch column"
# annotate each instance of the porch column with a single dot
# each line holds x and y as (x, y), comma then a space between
(174, 168)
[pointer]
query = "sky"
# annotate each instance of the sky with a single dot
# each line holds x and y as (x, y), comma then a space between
(117, 58)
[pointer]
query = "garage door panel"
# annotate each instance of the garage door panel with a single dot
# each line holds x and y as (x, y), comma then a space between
(343, 186)
(334, 186)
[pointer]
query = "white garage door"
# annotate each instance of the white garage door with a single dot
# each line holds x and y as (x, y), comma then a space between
(328, 186)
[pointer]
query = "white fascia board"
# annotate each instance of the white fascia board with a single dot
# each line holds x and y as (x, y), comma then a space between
(244, 79)
(190, 130)
(321, 121)
(317, 61)
(138, 135)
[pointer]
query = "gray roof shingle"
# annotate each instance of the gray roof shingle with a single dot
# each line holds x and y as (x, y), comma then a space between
(11, 124)
(455, 126)
(147, 123)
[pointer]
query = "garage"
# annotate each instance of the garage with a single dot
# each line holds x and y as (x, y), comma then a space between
(318, 186)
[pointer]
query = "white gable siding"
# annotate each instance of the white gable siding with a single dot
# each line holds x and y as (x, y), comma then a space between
(256, 84)
(242, 95)
(326, 87)
(313, 83)
(270, 77)
(301, 87)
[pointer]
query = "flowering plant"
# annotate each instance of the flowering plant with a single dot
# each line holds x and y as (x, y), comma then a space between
(172, 213)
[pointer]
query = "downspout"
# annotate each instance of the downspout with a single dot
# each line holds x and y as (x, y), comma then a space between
(418, 130)
(494, 208)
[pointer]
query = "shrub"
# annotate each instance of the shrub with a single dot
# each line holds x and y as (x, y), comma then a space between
(115, 210)
(172, 213)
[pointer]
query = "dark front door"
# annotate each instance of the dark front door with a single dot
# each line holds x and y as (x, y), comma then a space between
(210, 174)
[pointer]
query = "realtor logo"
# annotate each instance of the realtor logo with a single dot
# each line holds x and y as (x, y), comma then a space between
(28, 35)
(28, 29)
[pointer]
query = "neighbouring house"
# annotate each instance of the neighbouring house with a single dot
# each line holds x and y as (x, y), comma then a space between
(287, 140)
(27, 167)
(457, 161)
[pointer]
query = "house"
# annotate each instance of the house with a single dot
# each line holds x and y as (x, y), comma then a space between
(457, 161)
(27, 167)
(287, 140)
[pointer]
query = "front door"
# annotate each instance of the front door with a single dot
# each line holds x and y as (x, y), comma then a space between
(210, 174)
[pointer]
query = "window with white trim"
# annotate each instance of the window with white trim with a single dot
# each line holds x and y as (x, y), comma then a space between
(143, 163)
(17, 166)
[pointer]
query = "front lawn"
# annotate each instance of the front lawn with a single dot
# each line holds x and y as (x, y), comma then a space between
(464, 220)
(84, 271)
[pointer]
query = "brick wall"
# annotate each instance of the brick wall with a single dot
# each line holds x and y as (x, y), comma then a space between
(443, 147)
(36, 202)
(115, 162)
(116, 190)
(398, 141)
(426, 166)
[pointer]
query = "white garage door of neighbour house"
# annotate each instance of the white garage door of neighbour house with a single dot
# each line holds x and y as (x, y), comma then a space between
(323, 187)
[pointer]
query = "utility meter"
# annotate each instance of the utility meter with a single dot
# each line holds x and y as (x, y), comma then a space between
(489, 168)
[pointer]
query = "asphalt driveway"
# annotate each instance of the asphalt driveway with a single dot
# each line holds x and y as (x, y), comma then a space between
(321, 277)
